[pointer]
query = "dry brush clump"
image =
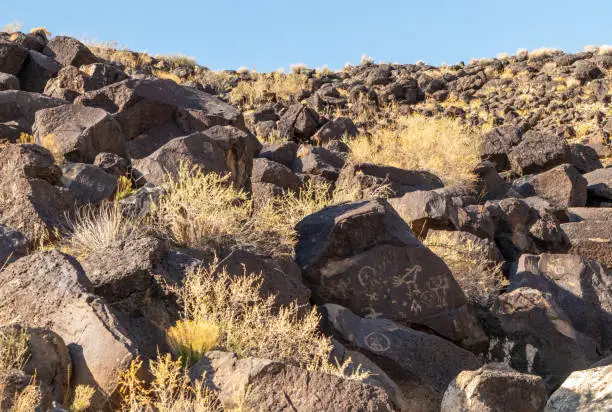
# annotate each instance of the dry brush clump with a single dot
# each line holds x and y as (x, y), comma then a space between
(203, 210)
(268, 87)
(14, 353)
(443, 146)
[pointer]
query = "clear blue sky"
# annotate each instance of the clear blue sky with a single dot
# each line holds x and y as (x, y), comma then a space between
(268, 34)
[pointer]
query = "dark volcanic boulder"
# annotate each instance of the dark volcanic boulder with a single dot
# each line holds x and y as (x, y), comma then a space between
(362, 255)
(424, 210)
(599, 184)
(270, 179)
(532, 334)
(160, 110)
(78, 133)
(12, 57)
(37, 70)
(8, 82)
(316, 160)
(538, 152)
(283, 153)
(30, 200)
(367, 177)
(298, 123)
(422, 364)
(125, 276)
(69, 51)
(583, 391)
(275, 386)
(214, 152)
(585, 158)
(581, 287)
(13, 245)
(494, 387)
(49, 289)
(498, 143)
(102, 74)
(88, 183)
(336, 129)
(21, 106)
(562, 186)
(591, 239)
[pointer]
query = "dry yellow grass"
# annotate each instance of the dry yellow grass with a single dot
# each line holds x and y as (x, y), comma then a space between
(124, 188)
(81, 400)
(167, 75)
(110, 51)
(177, 60)
(14, 353)
(267, 86)
(25, 138)
(94, 228)
(442, 146)
(191, 339)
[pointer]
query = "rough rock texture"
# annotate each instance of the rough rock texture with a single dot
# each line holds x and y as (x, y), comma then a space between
(582, 391)
(562, 186)
(533, 334)
(299, 123)
(590, 238)
(69, 51)
(50, 290)
(18, 105)
(145, 107)
(13, 244)
(422, 365)
(600, 183)
(8, 82)
(89, 184)
(363, 256)
(36, 72)
(30, 200)
(538, 152)
(494, 388)
(12, 57)
(78, 133)
(126, 276)
(274, 386)
(222, 154)
(424, 210)
(581, 287)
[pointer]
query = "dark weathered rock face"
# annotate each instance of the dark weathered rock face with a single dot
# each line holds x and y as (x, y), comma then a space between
(143, 107)
(422, 364)
(538, 152)
(22, 106)
(30, 199)
(12, 57)
(591, 238)
(363, 256)
(36, 72)
(275, 386)
(89, 184)
(581, 287)
(78, 133)
(599, 184)
(494, 387)
(562, 186)
(299, 123)
(13, 244)
(424, 210)
(221, 152)
(69, 52)
(50, 290)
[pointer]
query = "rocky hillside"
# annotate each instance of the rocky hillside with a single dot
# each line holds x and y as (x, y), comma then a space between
(384, 237)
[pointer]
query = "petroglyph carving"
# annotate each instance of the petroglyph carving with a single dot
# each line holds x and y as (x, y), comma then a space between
(408, 278)
(377, 342)
(367, 275)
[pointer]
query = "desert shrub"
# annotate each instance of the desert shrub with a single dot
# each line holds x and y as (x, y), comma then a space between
(81, 399)
(124, 188)
(177, 60)
(170, 389)
(25, 138)
(14, 353)
(480, 278)
(443, 146)
(202, 209)
(112, 52)
(265, 86)
(94, 228)
(12, 27)
(190, 339)
(167, 75)
(543, 52)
